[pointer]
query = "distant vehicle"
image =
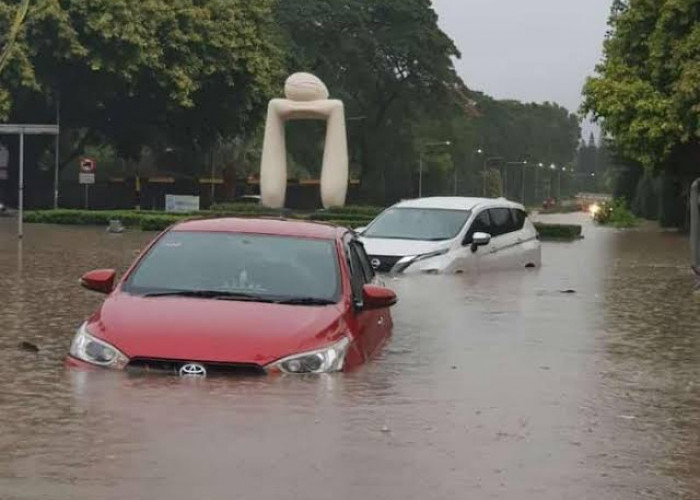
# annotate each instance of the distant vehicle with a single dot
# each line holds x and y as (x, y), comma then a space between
(249, 198)
(228, 295)
(451, 235)
(549, 203)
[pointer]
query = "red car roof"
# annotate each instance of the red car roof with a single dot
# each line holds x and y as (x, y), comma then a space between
(282, 227)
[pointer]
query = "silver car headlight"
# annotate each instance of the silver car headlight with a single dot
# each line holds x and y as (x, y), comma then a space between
(407, 262)
(92, 350)
(326, 360)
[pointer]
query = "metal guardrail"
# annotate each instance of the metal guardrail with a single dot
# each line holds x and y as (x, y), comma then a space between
(695, 225)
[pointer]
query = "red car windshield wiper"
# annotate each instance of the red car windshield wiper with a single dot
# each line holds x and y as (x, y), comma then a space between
(304, 301)
(211, 294)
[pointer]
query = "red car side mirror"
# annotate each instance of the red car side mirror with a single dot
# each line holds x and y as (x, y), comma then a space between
(377, 297)
(100, 280)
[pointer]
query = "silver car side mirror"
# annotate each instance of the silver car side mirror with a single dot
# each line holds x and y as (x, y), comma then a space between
(480, 240)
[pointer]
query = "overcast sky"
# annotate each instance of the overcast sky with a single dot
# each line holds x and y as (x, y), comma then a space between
(535, 50)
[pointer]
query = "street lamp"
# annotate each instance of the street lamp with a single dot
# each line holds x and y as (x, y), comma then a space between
(552, 167)
(522, 187)
(420, 166)
(483, 173)
(539, 165)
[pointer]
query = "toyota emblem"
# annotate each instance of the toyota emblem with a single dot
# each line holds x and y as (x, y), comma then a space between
(376, 263)
(193, 370)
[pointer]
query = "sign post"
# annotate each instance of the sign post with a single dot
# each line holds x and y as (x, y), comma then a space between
(4, 162)
(87, 177)
(22, 130)
(695, 225)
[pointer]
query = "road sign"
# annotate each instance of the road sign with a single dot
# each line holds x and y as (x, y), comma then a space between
(87, 166)
(86, 178)
(87, 171)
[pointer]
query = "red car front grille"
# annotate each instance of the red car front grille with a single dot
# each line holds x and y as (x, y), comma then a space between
(169, 366)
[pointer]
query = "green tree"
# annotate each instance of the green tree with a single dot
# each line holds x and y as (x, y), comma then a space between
(143, 72)
(646, 94)
(392, 66)
(12, 26)
(647, 89)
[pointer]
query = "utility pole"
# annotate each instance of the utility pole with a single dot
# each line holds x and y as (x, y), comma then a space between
(56, 161)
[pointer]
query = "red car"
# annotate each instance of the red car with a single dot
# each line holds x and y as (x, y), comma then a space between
(239, 295)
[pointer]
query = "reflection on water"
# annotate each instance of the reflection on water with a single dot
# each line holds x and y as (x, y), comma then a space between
(494, 386)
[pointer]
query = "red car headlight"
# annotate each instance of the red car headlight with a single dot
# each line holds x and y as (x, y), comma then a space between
(326, 360)
(92, 350)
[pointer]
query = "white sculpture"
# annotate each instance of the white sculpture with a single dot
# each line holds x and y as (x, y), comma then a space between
(307, 99)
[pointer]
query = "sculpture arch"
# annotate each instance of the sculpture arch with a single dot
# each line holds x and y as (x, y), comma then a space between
(306, 99)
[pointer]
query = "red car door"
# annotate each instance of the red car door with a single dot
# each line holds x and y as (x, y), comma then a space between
(374, 327)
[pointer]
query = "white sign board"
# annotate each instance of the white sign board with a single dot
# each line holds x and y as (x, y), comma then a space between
(181, 203)
(86, 178)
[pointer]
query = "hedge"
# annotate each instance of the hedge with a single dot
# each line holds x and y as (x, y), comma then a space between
(251, 208)
(367, 211)
(157, 221)
(325, 216)
(559, 231)
(560, 209)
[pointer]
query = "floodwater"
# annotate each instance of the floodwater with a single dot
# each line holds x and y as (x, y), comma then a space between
(494, 386)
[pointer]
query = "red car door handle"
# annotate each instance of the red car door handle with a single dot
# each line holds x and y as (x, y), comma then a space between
(380, 321)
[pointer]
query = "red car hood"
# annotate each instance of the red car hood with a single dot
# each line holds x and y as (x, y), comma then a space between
(189, 329)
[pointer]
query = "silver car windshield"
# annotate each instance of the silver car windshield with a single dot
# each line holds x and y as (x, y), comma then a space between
(427, 224)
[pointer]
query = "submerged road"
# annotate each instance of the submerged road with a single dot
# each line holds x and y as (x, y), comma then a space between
(494, 386)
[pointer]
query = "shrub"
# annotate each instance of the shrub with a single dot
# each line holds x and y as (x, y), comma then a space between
(561, 209)
(240, 208)
(615, 214)
(325, 216)
(367, 211)
(157, 221)
(558, 231)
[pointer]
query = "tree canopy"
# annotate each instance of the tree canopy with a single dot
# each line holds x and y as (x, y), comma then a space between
(137, 78)
(646, 93)
(136, 72)
(387, 60)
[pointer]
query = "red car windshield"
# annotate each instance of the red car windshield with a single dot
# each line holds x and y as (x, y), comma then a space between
(250, 265)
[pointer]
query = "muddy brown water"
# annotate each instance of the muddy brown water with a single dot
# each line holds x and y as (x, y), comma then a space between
(494, 386)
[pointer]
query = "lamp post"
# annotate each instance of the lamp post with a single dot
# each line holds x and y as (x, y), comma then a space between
(483, 173)
(56, 153)
(539, 166)
(420, 166)
(563, 169)
(552, 167)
